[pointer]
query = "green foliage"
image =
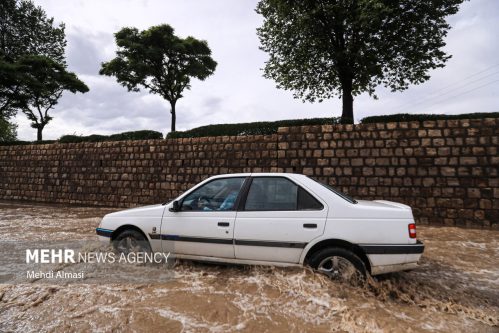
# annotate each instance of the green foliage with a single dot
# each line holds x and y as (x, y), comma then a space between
(159, 61)
(423, 117)
(32, 63)
(136, 135)
(256, 128)
(326, 48)
(44, 81)
(11, 95)
(125, 136)
(25, 30)
(81, 138)
(8, 131)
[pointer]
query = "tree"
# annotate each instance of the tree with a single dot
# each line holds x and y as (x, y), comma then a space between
(33, 73)
(8, 131)
(325, 48)
(43, 81)
(10, 89)
(159, 61)
(9, 78)
(24, 30)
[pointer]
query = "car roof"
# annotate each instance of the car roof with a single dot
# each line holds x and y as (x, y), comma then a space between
(254, 174)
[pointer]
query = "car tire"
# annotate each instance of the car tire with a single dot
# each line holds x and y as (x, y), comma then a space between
(131, 240)
(339, 264)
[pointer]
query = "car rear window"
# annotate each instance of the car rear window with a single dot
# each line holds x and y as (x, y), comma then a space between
(338, 193)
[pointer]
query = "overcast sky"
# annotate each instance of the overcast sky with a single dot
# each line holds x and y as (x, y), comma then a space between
(237, 92)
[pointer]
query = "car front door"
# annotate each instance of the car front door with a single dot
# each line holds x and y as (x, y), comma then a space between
(204, 226)
(277, 220)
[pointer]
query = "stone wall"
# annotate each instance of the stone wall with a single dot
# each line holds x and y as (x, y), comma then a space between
(446, 170)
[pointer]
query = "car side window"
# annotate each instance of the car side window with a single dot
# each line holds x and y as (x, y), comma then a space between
(278, 193)
(217, 195)
(307, 202)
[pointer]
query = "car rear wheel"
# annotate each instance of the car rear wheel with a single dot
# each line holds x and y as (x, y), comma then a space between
(339, 265)
(129, 241)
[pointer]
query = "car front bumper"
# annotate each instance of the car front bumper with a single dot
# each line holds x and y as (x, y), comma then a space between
(104, 235)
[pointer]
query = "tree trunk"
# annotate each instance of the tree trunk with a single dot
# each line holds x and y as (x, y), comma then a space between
(39, 133)
(174, 116)
(347, 99)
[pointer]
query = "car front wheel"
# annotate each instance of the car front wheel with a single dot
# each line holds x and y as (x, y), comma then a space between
(129, 241)
(339, 265)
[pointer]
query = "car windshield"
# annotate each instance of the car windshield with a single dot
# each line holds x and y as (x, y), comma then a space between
(335, 191)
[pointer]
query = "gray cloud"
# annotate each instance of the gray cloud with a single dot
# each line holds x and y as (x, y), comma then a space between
(85, 51)
(237, 92)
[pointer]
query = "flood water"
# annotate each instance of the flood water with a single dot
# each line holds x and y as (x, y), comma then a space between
(456, 289)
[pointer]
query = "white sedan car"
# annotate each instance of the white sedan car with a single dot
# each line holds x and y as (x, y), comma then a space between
(273, 219)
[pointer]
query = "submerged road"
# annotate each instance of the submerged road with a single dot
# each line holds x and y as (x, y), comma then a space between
(456, 289)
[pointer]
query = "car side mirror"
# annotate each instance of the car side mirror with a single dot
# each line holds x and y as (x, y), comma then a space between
(175, 207)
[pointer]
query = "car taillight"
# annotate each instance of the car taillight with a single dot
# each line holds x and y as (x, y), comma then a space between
(412, 230)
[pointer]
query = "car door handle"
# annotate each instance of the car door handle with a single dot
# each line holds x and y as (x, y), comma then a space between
(223, 224)
(310, 225)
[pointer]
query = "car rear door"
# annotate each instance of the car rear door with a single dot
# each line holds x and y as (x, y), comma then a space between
(277, 218)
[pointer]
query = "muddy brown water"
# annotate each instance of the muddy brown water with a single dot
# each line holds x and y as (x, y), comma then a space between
(456, 289)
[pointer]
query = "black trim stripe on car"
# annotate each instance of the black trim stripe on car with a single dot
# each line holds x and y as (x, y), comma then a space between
(104, 232)
(230, 241)
(394, 249)
(293, 245)
(197, 239)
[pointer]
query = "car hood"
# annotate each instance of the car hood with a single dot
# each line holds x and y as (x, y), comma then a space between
(144, 211)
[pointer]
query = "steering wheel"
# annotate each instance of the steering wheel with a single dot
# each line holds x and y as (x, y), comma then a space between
(203, 202)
